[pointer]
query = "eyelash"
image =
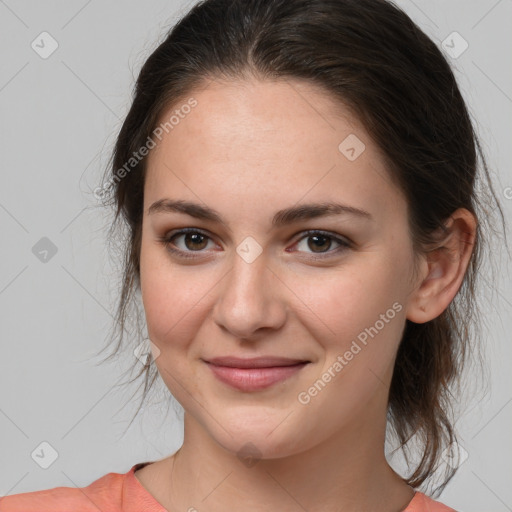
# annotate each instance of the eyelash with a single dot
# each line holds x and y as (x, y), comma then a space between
(168, 244)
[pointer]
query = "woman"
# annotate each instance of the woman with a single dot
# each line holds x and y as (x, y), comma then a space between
(298, 179)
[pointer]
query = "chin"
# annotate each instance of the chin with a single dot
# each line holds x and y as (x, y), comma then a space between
(258, 435)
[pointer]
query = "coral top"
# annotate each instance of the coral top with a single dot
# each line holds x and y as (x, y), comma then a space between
(116, 492)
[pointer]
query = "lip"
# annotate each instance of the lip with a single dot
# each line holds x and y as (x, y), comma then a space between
(256, 373)
(254, 362)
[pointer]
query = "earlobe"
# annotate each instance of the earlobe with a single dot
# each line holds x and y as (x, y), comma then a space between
(444, 269)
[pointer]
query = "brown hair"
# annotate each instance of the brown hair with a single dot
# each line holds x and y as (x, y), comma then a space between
(370, 56)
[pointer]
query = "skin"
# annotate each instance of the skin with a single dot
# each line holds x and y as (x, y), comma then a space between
(248, 149)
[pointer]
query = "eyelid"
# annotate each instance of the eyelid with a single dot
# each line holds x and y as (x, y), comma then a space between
(344, 242)
(323, 232)
(166, 241)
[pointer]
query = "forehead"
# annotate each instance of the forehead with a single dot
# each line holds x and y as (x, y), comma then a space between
(268, 142)
(265, 112)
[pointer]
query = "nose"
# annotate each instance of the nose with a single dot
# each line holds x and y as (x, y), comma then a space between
(250, 299)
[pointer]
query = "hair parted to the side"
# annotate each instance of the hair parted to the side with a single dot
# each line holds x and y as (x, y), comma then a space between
(372, 58)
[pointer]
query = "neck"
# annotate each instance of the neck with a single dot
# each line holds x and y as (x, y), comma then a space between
(348, 472)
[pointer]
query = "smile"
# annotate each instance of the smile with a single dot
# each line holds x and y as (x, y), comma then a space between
(254, 374)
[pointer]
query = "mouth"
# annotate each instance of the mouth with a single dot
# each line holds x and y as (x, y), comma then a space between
(256, 373)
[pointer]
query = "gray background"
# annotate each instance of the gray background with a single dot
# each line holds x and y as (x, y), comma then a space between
(59, 117)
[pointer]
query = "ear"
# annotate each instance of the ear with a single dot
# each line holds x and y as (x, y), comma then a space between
(443, 269)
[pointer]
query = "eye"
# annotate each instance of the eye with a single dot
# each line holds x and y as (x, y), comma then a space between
(195, 241)
(320, 242)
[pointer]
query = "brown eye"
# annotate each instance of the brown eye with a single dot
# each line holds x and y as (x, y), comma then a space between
(193, 241)
(320, 243)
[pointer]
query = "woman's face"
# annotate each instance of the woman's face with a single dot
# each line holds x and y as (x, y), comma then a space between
(254, 284)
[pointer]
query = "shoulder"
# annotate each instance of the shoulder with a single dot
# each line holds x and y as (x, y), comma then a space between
(422, 503)
(105, 493)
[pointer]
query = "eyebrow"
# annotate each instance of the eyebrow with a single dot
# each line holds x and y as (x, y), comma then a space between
(281, 218)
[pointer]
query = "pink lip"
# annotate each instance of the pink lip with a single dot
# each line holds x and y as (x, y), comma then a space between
(254, 374)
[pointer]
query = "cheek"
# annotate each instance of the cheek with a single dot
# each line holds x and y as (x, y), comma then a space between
(174, 298)
(168, 305)
(163, 294)
(340, 305)
(171, 309)
(366, 314)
